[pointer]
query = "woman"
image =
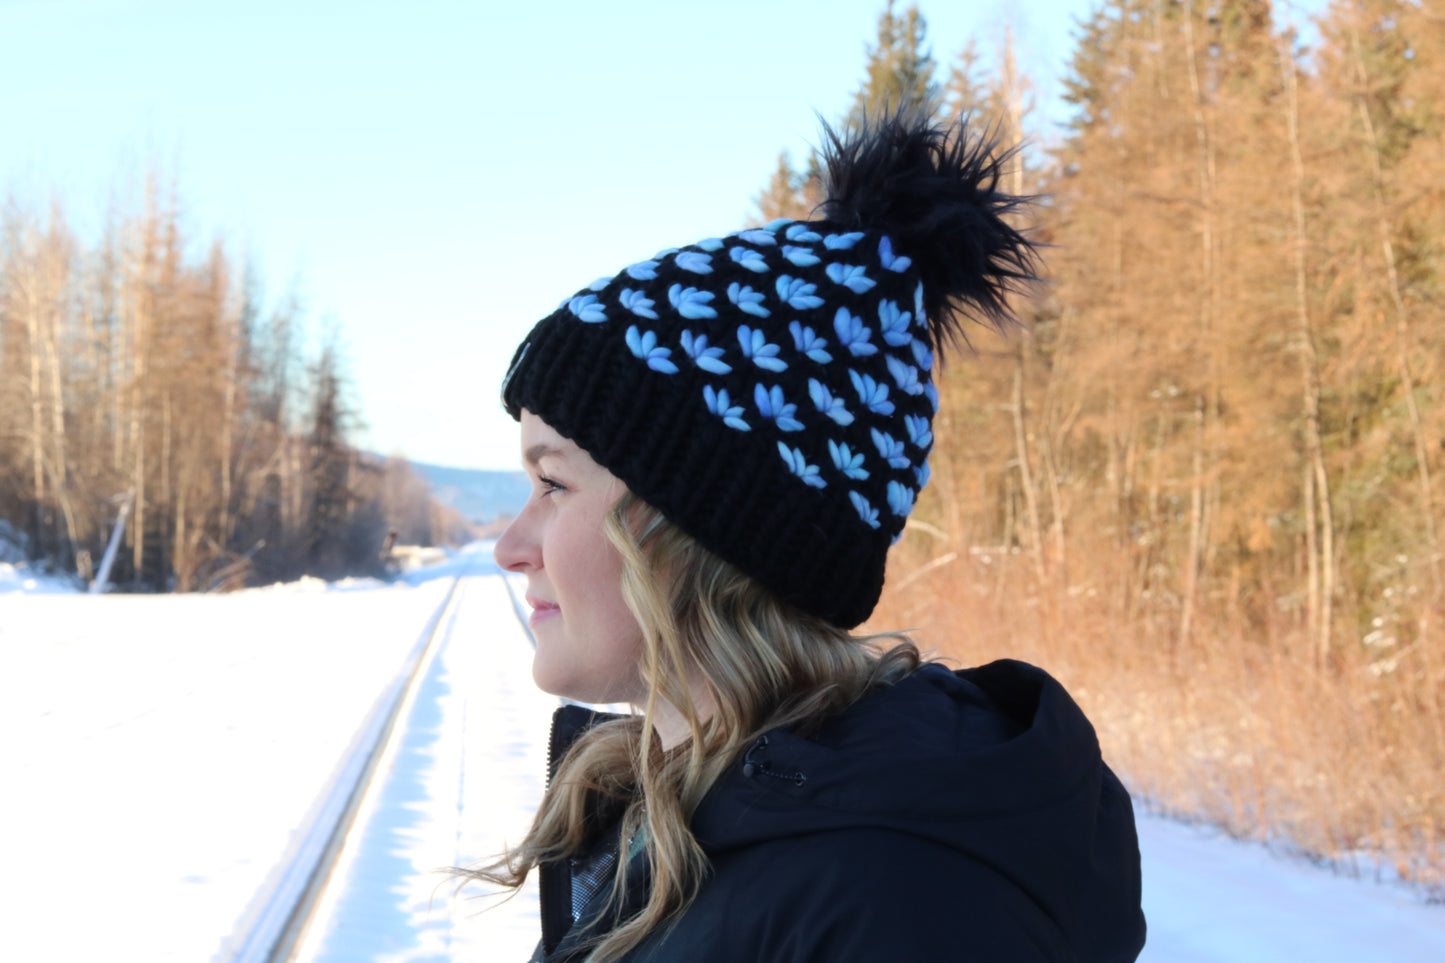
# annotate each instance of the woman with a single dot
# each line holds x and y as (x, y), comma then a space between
(724, 440)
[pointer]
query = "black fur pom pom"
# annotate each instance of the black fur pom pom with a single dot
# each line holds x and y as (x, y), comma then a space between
(934, 190)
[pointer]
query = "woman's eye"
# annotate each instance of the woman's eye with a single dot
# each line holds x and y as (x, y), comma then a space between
(549, 485)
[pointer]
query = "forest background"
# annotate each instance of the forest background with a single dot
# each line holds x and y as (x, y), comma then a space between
(145, 390)
(1199, 486)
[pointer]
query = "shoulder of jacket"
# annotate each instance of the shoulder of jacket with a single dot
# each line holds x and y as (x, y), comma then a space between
(861, 894)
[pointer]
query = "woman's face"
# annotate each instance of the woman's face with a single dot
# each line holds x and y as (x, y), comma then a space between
(588, 642)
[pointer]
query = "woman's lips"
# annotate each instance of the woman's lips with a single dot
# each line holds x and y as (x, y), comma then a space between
(541, 610)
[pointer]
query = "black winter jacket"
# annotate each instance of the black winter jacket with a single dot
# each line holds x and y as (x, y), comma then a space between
(953, 816)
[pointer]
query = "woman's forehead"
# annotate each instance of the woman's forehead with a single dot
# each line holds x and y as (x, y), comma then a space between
(540, 439)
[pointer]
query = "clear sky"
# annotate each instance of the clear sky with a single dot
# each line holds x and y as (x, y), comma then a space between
(434, 176)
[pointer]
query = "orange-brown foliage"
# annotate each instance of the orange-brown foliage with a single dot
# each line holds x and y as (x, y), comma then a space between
(1203, 489)
(1238, 728)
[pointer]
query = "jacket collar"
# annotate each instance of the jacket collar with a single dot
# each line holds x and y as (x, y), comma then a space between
(560, 936)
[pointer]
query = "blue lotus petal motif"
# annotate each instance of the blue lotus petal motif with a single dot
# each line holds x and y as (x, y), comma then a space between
(755, 236)
(772, 406)
(691, 303)
(922, 355)
(757, 349)
(920, 432)
(710, 244)
(873, 395)
(851, 276)
(748, 258)
(887, 258)
(900, 498)
(747, 300)
(866, 511)
(809, 343)
(801, 234)
(799, 466)
(705, 357)
(826, 403)
(853, 335)
(643, 344)
(890, 448)
(894, 323)
(842, 242)
(798, 293)
(800, 256)
(847, 461)
(695, 261)
(905, 376)
(587, 308)
(638, 303)
(721, 405)
(642, 271)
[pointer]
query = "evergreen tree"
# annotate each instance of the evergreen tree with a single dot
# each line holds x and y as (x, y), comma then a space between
(1094, 68)
(790, 193)
(329, 469)
(967, 93)
(1380, 61)
(900, 67)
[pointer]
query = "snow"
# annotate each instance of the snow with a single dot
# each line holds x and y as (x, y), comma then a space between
(159, 751)
(18, 577)
(466, 781)
(163, 753)
(1212, 899)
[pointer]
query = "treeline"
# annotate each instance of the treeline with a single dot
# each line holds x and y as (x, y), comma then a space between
(140, 378)
(1204, 484)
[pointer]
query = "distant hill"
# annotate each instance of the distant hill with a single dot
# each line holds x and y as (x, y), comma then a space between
(481, 496)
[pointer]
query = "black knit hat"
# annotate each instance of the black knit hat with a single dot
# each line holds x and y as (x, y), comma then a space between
(771, 392)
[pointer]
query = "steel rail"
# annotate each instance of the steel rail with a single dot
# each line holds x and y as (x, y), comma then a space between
(289, 909)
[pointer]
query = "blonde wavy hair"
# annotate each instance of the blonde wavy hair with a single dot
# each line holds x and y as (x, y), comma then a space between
(765, 665)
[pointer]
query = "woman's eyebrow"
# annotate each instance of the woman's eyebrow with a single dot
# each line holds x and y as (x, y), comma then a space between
(539, 451)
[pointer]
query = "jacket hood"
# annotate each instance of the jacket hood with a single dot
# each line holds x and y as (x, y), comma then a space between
(997, 763)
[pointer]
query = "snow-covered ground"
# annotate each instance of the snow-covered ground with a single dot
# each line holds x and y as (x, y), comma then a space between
(160, 753)
(19, 577)
(1211, 899)
(467, 777)
(157, 753)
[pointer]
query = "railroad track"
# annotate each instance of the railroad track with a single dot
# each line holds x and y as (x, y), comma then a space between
(287, 911)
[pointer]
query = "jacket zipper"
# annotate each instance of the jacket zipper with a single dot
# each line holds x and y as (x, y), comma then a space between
(554, 879)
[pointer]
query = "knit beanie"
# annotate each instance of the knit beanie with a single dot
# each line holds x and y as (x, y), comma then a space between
(771, 392)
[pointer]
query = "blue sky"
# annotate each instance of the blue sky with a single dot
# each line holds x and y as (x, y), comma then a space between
(434, 176)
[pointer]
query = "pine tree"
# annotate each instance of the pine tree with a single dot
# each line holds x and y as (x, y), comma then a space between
(1173, 265)
(900, 67)
(790, 193)
(1381, 60)
(330, 461)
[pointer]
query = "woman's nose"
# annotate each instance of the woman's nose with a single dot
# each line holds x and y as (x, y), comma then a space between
(515, 550)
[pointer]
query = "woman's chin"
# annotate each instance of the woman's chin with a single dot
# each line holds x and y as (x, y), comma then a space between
(546, 678)
(559, 681)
